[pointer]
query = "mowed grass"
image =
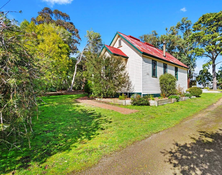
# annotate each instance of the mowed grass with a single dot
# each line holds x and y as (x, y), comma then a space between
(69, 137)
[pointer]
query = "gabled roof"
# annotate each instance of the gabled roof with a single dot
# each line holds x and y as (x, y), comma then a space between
(115, 51)
(150, 50)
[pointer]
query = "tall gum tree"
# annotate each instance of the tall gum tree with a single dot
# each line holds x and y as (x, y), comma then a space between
(59, 19)
(208, 38)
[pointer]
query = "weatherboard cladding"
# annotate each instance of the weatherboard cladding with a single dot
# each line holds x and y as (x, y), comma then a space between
(149, 49)
(133, 64)
(115, 51)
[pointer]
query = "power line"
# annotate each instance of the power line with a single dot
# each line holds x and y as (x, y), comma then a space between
(5, 4)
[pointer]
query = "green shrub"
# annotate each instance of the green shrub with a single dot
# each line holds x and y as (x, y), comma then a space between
(122, 97)
(151, 97)
(175, 96)
(167, 84)
(140, 101)
(195, 91)
(87, 87)
(187, 95)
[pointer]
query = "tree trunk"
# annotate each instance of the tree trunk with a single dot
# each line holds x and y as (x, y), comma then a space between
(74, 75)
(214, 75)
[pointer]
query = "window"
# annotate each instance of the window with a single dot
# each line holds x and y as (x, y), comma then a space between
(120, 43)
(176, 72)
(164, 68)
(154, 69)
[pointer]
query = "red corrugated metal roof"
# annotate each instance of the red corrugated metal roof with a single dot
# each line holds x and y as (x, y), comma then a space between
(151, 50)
(116, 51)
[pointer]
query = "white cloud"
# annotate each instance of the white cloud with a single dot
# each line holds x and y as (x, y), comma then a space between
(183, 9)
(52, 2)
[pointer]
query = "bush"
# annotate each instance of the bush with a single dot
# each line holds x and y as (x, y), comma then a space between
(195, 91)
(140, 101)
(167, 84)
(87, 87)
(175, 96)
(122, 97)
(187, 95)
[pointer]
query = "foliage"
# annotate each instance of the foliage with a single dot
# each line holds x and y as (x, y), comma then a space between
(195, 91)
(94, 42)
(152, 38)
(58, 148)
(167, 84)
(61, 19)
(187, 95)
(204, 77)
(88, 87)
(122, 97)
(208, 37)
(140, 101)
(180, 90)
(52, 52)
(18, 85)
(108, 75)
(219, 78)
(177, 97)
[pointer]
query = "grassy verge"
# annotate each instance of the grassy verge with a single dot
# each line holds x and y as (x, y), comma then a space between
(69, 137)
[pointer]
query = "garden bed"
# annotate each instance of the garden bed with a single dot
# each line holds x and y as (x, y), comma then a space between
(155, 102)
(115, 101)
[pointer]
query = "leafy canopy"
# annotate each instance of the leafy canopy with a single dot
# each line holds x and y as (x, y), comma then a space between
(48, 43)
(59, 19)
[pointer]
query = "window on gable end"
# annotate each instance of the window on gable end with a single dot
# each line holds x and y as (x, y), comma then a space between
(120, 44)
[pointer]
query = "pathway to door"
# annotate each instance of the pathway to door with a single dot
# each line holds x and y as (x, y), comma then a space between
(173, 150)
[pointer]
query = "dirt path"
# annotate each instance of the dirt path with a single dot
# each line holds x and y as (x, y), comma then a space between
(105, 106)
(146, 157)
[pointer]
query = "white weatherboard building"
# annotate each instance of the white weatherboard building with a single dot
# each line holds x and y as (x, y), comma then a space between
(145, 64)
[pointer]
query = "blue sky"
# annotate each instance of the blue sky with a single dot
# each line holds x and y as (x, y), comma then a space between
(127, 16)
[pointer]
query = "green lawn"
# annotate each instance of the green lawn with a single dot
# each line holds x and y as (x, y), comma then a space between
(69, 137)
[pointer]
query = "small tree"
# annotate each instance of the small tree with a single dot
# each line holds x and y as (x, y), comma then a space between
(167, 84)
(108, 75)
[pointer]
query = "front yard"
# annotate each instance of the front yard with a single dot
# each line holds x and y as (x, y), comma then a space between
(69, 137)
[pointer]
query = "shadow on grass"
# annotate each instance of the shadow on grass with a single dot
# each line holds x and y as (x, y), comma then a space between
(202, 156)
(61, 124)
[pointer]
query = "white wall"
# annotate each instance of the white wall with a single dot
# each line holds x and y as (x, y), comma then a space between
(134, 64)
(182, 79)
(151, 85)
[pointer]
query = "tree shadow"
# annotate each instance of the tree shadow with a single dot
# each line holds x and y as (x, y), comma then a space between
(58, 128)
(202, 156)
